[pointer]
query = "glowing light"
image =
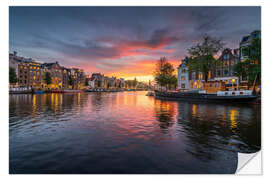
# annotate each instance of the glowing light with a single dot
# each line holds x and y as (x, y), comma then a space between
(233, 115)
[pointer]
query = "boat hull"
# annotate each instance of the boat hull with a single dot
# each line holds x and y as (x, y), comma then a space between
(205, 97)
(39, 92)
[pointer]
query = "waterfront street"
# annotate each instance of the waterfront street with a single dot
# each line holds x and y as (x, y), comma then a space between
(127, 132)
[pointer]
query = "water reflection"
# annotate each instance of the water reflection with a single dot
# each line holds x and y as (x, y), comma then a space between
(165, 111)
(209, 127)
(127, 132)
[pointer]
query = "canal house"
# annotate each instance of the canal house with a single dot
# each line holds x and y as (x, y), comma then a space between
(183, 76)
(221, 77)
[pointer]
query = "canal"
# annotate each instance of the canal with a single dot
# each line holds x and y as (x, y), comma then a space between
(127, 132)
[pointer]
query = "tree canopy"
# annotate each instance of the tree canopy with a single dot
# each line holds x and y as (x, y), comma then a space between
(202, 55)
(164, 73)
(48, 78)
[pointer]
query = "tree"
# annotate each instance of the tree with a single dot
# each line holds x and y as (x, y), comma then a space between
(48, 78)
(12, 75)
(202, 55)
(254, 61)
(173, 82)
(164, 73)
(134, 82)
(86, 83)
(70, 81)
(239, 70)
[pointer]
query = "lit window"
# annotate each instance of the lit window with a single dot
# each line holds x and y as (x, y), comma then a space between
(183, 78)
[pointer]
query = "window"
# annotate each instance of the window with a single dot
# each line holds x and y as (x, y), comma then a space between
(183, 86)
(184, 71)
(226, 72)
(226, 56)
(218, 72)
(200, 76)
(193, 75)
(183, 78)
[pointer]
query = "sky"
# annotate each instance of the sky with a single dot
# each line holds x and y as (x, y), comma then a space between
(123, 41)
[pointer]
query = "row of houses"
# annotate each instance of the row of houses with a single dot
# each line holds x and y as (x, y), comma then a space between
(30, 74)
(220, 77)
(98, 80)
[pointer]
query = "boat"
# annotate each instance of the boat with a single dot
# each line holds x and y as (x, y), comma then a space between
(72, 91)
(150, 93)
(57, 91)
(39, 92)
(244, 96)
(20, 90)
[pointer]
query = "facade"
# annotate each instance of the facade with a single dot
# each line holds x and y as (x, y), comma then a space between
(183, 76)
(28, 71)
(245, 42)
(55, 71)
(219, 78)
(244, 48)
(65, 78)
(99, 80)
(224, 74)
(14, 61)
(30, 74)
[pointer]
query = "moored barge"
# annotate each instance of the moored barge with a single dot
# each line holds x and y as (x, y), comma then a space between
(201, 96)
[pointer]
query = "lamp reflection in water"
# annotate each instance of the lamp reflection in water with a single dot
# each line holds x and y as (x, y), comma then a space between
(233, 115)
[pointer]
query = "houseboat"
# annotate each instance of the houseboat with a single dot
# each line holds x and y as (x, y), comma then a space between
(240, 96)
(20, 90)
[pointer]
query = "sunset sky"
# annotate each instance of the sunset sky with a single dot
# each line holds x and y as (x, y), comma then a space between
(123, 41)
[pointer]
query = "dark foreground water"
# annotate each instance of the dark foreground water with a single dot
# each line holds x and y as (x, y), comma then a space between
(127, 132)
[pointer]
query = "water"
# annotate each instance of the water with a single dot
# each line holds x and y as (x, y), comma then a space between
(127, 132)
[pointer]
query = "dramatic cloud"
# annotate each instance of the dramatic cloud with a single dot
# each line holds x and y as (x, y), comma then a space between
(123, 41)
